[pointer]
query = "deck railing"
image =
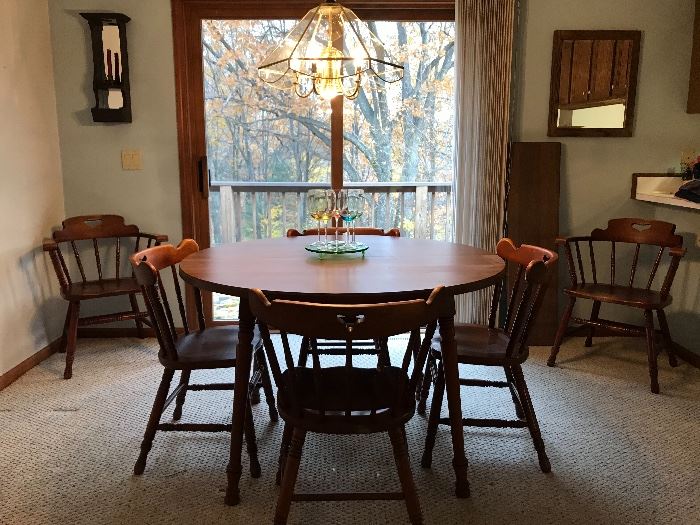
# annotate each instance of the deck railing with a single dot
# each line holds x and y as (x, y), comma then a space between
(254, 210)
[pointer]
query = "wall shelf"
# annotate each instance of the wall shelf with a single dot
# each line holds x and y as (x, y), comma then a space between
(660, 188)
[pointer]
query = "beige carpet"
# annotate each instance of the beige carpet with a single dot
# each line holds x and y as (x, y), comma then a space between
(619, 454)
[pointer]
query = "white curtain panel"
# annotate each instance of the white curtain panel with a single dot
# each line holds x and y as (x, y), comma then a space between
(483, 60)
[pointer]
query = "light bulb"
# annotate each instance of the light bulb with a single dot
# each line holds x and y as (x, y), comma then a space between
(328, 82)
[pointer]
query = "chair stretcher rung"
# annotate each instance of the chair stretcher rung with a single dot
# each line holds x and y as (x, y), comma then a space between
(482, 382)
(613, 325)
(215, 386)
(489, 423)
(111, 318)
(194, 427)
(348, 496)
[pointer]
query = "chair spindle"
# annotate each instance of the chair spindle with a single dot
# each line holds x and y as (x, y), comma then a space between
(513, 297)
(580, 263)
(612, 264)
(117, 254)
(592, 256)
(655, 267)
(180, 303)
(79, 261)
(97, 259)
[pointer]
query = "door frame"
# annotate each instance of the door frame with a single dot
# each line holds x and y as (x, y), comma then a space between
(187, 16)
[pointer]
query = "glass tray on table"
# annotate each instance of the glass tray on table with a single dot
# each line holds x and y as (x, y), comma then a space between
(337, 248)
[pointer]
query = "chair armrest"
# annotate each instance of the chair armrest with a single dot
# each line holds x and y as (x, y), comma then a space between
(678, 251)
(49, 245)
(158, 237)
(565, 243)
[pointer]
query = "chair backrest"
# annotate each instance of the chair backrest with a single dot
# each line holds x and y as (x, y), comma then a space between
(628, 232)
(349, 322)
(66, 245)
(148, 265)
(533, 270)
(393, 232)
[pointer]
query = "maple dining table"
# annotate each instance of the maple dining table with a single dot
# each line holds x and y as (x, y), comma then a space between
(393, 268)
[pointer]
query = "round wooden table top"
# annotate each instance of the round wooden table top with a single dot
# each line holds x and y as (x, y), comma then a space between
(391, 266)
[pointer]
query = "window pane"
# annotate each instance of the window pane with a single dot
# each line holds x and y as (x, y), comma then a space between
(402, 132)
(255, 132)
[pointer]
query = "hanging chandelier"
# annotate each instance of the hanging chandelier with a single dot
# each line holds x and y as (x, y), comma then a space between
(329, 53)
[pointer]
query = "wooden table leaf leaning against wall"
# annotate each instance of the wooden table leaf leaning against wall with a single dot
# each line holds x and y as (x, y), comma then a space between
(393, 269)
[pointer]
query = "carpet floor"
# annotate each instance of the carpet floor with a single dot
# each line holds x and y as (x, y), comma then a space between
(619, 453)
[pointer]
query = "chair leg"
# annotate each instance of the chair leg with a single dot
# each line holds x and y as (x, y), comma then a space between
(64, 334)
(425, 384)
(563, 325)
(514, 393)
(531, 419)
(255, 387)
(267, 385)
(184, 380)
(668, 342)
(289, 479)
(284, 452)
(250, 441)
(434, 419)
(403, 466)
(71, 338)
(591, 329)
(153, 420)
(135, 309)
(651, 351)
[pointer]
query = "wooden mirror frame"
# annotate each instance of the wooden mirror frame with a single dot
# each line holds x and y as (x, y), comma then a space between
(559, 38)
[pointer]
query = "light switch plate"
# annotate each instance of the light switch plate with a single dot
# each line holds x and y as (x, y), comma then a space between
(132, 159)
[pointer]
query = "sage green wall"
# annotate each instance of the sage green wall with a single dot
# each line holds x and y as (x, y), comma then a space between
(596, 172)
(91, 152)
(31, 192)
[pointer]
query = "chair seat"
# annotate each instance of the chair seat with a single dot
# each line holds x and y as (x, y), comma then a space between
(481, 345)
(635, 297)
(357, 389)
(103, 288)
(212, 348)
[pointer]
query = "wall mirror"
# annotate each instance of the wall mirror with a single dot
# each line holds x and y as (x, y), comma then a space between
(593, 84)
(110, 81)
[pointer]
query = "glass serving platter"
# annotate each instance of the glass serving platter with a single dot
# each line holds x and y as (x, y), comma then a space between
(336, 248)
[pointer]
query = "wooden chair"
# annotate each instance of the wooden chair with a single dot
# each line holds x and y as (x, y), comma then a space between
(505, 348)
(346, 399)
(206, 348)
(338, 347)
(66, 246)
(619, 234)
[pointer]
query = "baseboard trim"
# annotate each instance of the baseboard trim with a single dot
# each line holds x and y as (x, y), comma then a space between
(15, 373)
(686, 355)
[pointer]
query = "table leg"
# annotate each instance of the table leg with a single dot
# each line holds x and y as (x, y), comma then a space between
(244, 353)
(454, 404)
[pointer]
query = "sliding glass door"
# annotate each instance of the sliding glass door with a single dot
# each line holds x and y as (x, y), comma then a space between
(252, 151)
